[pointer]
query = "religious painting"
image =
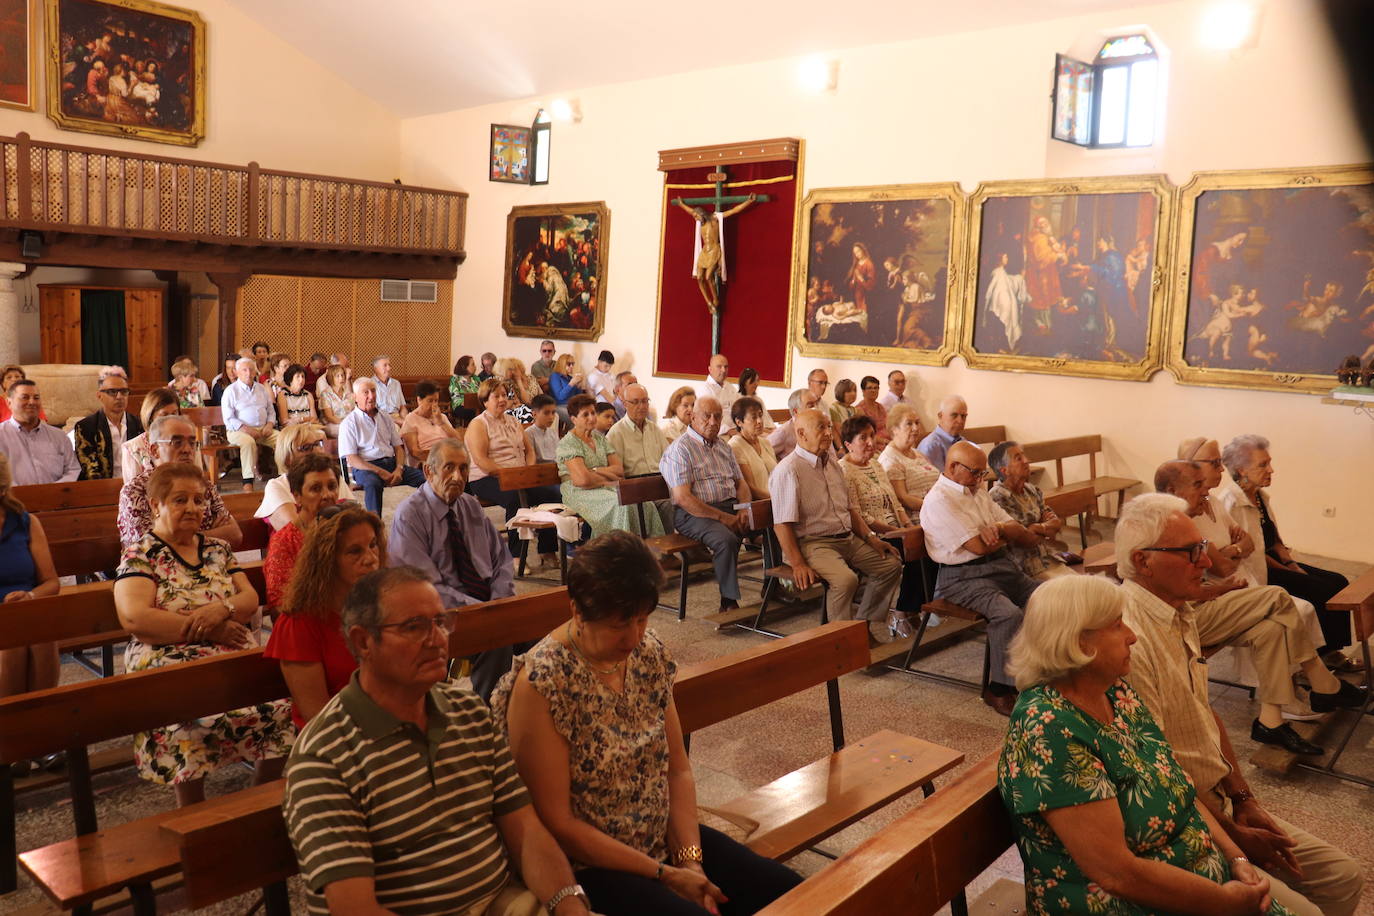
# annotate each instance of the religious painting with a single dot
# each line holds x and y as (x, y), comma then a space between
(556, 271)
(510, 153)
(129, 68)
(1275, 285)
(1067, 276)
(875, 267)
(18, 49)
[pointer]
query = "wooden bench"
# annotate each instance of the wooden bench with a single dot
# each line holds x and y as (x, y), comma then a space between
(521, 479)
(985, 435)
(918, 863)
(1057, 450)
(779, 414)
(759, 517)
(1070, 501)
(76, 872)
(636, 491)
(75, 494)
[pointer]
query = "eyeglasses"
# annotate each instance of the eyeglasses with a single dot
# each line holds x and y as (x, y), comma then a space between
(1194, 551)
(978, 473)
(417, 628)
(178, 441)
(114, 392)
(637, 401)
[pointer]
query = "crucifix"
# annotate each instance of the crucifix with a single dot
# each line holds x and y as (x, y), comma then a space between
(709, 267)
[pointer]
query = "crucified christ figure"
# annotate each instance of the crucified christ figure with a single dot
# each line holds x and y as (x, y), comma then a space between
(708, 262)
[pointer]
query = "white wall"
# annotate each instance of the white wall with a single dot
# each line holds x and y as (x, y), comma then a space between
(265, 101)
(968, 108)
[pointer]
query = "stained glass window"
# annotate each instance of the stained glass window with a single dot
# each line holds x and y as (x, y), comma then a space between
(1111, 102)
(1126, 46)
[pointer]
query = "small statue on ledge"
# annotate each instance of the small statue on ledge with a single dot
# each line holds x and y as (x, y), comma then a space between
(1348, 372)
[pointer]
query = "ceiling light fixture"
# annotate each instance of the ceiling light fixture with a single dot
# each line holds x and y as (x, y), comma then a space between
(1228, 25)
(818, 74)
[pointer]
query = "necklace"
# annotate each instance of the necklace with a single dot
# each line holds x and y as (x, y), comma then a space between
(582, 655)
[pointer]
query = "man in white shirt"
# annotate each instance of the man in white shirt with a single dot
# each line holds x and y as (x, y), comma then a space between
(38, 451)
(967, 534)
(375, 453)
(600, 382)
(640, 443)
(896, 390)
(249, 417)
(715, 386)
(391, 400)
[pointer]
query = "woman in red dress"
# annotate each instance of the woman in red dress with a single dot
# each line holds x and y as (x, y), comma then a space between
(862, 276)
(313, 481)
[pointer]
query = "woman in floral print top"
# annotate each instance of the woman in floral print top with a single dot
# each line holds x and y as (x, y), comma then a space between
(1106, 820)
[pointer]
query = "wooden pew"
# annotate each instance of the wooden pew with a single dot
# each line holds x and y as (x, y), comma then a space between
(1070, 501)
(779, 414)
(76, 494)
(636, 491)
(985, 435)
(521, 478)
(1057, 450)
(919, 862)
(759, 517)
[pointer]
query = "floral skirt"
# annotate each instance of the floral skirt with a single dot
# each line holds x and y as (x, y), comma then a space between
(180, 753)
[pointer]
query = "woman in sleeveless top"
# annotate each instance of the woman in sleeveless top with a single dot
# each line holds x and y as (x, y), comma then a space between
(294, 403)
(496, 440)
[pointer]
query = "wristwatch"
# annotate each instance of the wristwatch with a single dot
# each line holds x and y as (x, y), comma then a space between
(572, 890)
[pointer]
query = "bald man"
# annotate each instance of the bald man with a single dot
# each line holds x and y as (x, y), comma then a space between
(822, 534)
(968, 534)
(716, 386)
(951, 417)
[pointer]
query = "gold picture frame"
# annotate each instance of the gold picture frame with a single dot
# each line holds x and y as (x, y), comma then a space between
(568, 302)
(1081, 287)
(911, 273)
(28, 9)
(1304, 268)
(154, 50)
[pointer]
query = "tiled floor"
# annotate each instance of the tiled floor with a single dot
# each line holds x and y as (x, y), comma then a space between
(758, 747)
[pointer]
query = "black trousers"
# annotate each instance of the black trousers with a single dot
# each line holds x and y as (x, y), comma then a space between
(750, 881)
(1318, 586)
(488, 489)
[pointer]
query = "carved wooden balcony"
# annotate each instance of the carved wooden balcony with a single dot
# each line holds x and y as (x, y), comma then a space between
(235, 217)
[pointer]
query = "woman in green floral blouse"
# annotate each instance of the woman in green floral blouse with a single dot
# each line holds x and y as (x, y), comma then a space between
(1105, 818)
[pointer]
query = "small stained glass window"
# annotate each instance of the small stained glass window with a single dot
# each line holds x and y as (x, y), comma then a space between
(1126, 46)
(1111, 102)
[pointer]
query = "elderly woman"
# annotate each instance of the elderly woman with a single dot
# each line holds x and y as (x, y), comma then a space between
(191, 390)
(1106, 819)
(182, 597)
(314, 482)
(910, 473)
(565, 380)
(336, 400)
(294, 403)
(751, 447)
(679, 417)
(488, 369)
(294, 442)
(462, 382)
(589, 468)
(1023, 501)
(137, 455)
(426, 424)
(595, 735)
(1250, 470)
(870, 407)
(1230, 548)
(277, 365)
(26, 571)
(344, 545)
(749, 388)
(846, 393)
(520, 389)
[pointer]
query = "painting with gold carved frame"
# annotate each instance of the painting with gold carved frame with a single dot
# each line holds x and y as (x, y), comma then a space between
(1274, 281)
(556, 257)
(18, 51)
(127, 68)
(1067, 276)
(874, 272)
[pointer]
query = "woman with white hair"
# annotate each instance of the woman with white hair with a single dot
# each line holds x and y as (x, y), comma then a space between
(1106, 820)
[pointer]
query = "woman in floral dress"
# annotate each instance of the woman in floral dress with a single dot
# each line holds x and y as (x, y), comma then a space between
(182, 597)
(589, 468)
(1106, 819)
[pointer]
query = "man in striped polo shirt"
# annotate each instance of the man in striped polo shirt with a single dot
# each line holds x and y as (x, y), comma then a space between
(401, 796)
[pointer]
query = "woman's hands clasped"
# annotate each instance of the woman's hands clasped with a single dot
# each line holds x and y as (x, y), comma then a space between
(690, 883)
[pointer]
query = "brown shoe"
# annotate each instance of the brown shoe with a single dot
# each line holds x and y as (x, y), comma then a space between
(1001, 703)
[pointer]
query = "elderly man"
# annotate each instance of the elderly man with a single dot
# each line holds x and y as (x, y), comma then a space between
(640, 443)
(623, 379)
(249, 416)
(38, 452)
(715, 386)
(373, 449)
(896, 390)
(951, 417)
(784, 437)
(443, 531)
(391, 400)
(173, 439)
(818, 383)
(706, 484)
(100, 437)
(401, 795)
(823, 536)
(1023, 501)
(1161, 558)
(542, 367)
(968, 535)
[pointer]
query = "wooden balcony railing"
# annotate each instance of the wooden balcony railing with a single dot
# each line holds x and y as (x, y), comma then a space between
(53, 186)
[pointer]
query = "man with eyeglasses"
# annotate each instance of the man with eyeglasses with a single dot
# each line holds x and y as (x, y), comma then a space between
(951, 419)
(1161, 558)
(38, 451)
(443, 531)
(173, 439)
(401, 794)
(541, 368)
(100, 437)
(968, 534)
(640, 443)
(818, 383)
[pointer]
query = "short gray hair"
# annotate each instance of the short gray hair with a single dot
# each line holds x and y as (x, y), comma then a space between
(1059, 612)
(794, 400)
(1141, 524)
(998, 458)
(434, 460)
(1237, 453)
(245, 359)
(363, 605)
(155, 428)
(364, 381)
(109, 371)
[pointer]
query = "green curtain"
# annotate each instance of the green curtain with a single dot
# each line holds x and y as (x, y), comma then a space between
(104, 340)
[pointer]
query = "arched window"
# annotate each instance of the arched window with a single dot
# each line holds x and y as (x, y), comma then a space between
(1112, 101)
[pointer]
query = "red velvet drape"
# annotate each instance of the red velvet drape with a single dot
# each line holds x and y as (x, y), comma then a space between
(758, 253)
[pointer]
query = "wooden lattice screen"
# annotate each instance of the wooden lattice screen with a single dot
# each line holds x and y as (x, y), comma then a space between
(304, 315)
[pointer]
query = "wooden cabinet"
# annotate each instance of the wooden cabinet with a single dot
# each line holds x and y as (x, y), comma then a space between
(144, 333)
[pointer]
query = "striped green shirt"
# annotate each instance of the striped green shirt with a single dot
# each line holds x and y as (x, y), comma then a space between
(368, 795)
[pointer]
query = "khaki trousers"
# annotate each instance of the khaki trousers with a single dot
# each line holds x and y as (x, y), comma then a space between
(1264, 618)
(248, 449)
(840, 561)
(511, 900)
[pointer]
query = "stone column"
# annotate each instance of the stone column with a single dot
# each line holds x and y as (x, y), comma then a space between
(9, 312)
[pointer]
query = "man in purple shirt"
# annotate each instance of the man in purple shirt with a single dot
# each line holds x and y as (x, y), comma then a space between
(38, 452)
(443, 531)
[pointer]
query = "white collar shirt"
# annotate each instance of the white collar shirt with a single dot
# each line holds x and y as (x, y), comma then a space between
(951, 515)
